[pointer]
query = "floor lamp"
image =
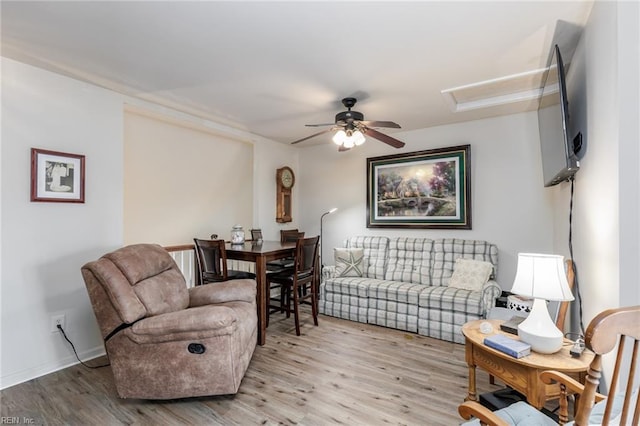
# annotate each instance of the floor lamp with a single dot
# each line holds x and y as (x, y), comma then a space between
(321, 219)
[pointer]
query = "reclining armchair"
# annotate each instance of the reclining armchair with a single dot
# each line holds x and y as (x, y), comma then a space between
(166, 341)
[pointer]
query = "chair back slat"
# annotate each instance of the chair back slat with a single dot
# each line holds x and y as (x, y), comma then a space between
(629, 387)
(636, 412)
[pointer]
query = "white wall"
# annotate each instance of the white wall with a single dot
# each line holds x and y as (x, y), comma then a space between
(603, 99)
(44, 244)
(509, 204)
(268, 157)
(629, 155)
(184, 175)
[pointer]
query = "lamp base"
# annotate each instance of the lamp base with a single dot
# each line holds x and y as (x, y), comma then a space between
(539, 331)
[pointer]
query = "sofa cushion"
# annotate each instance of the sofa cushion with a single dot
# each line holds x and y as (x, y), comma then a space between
(446, 251)
(519, 413)
(349, 262)
(410, 260)
(470, 274)
(451, 299)
(396, 291)
(354, 286)
(376, 250)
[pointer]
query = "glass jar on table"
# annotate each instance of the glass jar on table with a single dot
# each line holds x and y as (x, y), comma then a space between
(237, 235)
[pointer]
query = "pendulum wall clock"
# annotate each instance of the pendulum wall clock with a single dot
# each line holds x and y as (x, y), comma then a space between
(284, 182)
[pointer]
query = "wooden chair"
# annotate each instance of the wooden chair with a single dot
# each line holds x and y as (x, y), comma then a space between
(286, 236)
(256, 235)
(211, 260)
(290, 235)
(298, 284)
(614, 327)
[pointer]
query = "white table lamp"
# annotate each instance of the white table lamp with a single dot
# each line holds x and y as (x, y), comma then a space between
(541, 277)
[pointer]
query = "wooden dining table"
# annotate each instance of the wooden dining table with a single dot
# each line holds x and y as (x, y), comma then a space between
(260, 254)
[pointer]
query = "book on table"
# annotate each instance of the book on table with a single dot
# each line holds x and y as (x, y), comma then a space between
(513, 347)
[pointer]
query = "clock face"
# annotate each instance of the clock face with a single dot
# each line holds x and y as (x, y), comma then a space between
(287, 178)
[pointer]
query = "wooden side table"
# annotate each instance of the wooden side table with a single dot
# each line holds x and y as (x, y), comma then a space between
(522, 374)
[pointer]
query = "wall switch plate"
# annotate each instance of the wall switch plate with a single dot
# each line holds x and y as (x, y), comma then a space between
(57, 320)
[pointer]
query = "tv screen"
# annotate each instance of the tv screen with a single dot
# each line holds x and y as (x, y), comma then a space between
(559, 162)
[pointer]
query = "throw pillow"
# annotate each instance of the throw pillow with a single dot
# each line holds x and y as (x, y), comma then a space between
(470, 274)
(349, 262)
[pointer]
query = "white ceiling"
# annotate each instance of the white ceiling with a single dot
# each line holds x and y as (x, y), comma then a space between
(271, 67)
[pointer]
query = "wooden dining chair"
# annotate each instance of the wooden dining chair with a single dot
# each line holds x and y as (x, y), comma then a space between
(610, 329)
(290, 235)
(211, 260)
(298, 284)
(256, 235)
(286, 236)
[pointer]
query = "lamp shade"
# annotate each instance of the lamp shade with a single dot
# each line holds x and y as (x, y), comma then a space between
(358, 138)
(541, 276)
(339, 137)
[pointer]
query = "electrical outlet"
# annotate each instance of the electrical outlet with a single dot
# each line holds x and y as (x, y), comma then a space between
(57, 320)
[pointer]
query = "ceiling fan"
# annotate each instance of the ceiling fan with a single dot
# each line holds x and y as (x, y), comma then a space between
(351, 128)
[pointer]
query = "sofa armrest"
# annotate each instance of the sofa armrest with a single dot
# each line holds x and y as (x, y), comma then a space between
(328, 272)
(490, 292)
(226, 291)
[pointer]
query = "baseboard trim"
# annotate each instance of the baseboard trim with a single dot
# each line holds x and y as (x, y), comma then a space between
(48, 368)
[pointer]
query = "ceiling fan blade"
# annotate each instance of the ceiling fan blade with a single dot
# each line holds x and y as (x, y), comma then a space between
(384, 138)
(311, 136)
(320, 125)
(389, 124)
(341, 148)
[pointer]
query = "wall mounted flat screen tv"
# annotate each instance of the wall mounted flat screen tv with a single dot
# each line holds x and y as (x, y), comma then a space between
(559, 161)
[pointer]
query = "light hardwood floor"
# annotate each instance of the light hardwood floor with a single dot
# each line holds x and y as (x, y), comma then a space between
(341, 372)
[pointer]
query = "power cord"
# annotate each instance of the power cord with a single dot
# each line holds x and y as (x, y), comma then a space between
(573, 263)
(76, 353)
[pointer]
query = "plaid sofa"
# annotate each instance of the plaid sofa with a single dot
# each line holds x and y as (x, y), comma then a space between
(405, 286)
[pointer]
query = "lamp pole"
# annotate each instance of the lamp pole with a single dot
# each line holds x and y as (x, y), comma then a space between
(321, 218)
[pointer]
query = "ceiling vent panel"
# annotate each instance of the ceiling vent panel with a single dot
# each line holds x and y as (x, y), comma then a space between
(520, 87)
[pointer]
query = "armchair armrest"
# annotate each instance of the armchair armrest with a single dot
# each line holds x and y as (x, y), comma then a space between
(568, 386)
(470, 409)
(226, 291)
(573, 386)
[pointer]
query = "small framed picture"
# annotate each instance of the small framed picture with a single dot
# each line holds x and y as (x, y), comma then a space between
(57, 176)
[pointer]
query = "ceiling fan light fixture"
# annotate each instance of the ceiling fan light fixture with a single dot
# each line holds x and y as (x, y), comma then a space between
(339, 137)
(349, 143)
(358, 138)
(350, 127)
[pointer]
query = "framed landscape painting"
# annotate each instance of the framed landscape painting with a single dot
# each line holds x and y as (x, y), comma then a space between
(423, 189)
(57, 176)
